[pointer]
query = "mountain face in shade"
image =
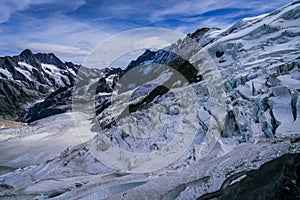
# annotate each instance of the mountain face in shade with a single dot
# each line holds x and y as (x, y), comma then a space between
(29, 77)
(60, 100)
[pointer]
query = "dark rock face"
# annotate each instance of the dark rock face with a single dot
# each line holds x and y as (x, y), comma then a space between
(198, 33)
(60, 101)
(164, 58)
(219, 54)
(29, 77)
(57, 102)
(278, 179)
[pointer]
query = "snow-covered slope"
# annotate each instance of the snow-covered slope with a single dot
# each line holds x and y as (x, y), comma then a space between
(259, 62)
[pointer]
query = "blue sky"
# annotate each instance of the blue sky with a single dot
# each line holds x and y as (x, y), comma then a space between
(71, 29)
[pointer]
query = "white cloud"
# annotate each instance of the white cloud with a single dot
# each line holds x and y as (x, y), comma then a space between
(55, 48)
(151, 42)
(189, 12)
(8, 7)
(128, 42)
(205, 6)
(69, 39)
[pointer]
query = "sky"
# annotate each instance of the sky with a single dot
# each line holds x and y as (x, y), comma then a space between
(71, 29)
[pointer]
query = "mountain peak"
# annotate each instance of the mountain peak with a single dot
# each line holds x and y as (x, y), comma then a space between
(50, 58)
(26, 53)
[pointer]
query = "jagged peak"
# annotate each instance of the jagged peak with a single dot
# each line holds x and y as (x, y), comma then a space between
(199, 32)
(50, 58)
(26, 53)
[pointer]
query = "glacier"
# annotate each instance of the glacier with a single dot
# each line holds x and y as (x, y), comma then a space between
(213, 116)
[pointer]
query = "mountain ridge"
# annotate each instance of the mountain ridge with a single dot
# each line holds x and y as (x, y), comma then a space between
(29, 77)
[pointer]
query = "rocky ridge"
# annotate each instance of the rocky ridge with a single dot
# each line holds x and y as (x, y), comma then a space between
(28, 78)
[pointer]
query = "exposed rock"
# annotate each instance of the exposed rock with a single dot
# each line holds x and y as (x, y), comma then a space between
(30, 77)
